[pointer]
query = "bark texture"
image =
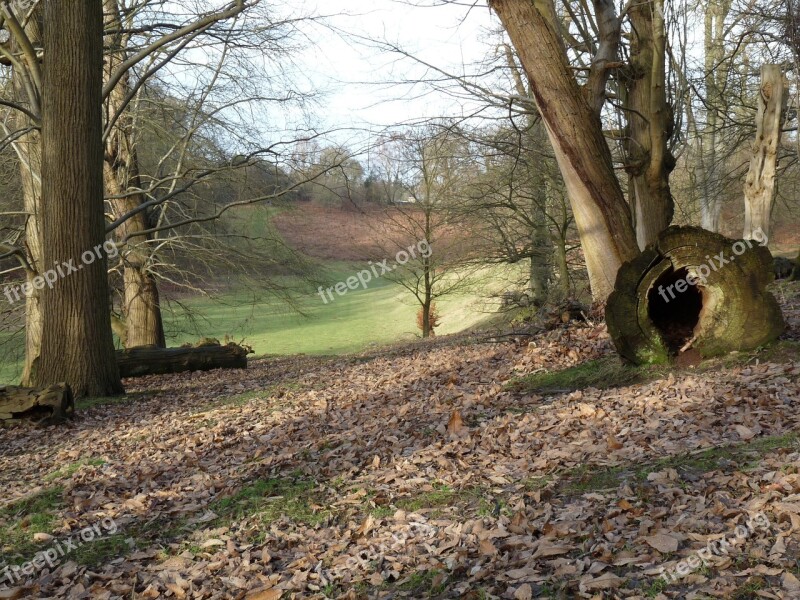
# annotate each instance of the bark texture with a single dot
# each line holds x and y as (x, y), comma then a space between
(141, 307)
(655, 314)
(759, 188)
(709, 150)
(575, 132)
(77, 345)
(650, 124)
(138, 362)
(29, 151)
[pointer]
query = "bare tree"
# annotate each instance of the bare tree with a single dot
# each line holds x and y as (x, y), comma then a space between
(572, 118)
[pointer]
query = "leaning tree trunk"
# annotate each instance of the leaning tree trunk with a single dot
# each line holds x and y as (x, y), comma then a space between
(77, 346)
(759, 188)
(693, 290)
(650, 124)
(141, 307)
(575, 132)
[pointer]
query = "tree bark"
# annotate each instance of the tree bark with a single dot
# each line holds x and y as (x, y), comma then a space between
(54, 403)
(650, 124)
(77, 345)
(759, 188)
(656, 313)
(575, 132)
(29, 151)
(141, 307)
(709, 151)
(138, 362)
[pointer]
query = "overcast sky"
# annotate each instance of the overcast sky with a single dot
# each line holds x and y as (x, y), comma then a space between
(356, 75)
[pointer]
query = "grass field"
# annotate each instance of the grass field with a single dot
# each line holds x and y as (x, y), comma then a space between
(382, 314)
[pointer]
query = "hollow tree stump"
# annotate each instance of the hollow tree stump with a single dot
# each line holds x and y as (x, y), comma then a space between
(51, 404)
(693, 289)
(150, 360)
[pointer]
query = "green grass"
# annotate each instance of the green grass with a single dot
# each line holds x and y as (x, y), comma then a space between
(610, 372)
(602, 373)
(271, 499)
(590, 478)
(71, 469)
(384, 313)
(21, 520)
(101, 550)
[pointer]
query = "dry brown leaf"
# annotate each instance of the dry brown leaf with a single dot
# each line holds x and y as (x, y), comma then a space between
(487, 548)
(456, 424)
(662, 542)
(269, 594)
(791, 584)
(524, 592)
(606, 581)
(546, 548)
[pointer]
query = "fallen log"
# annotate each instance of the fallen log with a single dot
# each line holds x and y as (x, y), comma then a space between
(52, 404)
(150, 360)
(693, 290)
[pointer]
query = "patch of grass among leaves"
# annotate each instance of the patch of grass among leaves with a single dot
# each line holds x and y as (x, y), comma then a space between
(101, 550)
(72, 468)
(92, 402)
(602, 373)
(588, 478)
(271, 499)
(610, 372)
(440, 496)
(425, 584)
(20, 521)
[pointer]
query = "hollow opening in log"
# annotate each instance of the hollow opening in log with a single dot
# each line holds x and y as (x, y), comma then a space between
(675, 314)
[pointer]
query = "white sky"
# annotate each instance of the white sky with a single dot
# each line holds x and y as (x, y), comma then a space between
(355, 75)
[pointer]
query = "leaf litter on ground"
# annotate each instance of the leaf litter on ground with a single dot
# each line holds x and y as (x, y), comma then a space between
(419, 472)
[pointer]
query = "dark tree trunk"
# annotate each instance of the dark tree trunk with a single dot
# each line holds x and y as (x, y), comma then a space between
(138, 362)
(77, 345)
(656, 313)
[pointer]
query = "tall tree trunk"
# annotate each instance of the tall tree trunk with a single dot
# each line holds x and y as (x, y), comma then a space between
(29, 151)
(650, 124)
(562, 267)
(709, 151)
(141, 308)
(77, 346)
(759, 188)
(575, 132)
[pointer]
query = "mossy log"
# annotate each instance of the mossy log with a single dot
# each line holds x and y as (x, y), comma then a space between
(697, 290)
(150, 360)
(49, 405)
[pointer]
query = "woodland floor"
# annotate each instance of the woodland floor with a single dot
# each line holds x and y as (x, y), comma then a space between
(429, 470)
